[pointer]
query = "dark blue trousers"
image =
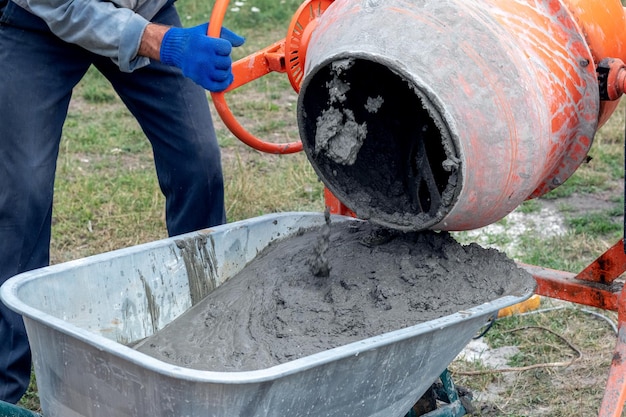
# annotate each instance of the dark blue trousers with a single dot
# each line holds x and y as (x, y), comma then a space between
(37, 74)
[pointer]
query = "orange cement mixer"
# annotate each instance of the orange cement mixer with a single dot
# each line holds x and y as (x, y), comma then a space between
(442, 114)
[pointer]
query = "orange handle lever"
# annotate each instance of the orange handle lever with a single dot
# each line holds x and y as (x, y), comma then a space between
(261, 65)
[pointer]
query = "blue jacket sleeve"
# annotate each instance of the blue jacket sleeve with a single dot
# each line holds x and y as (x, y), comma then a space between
(101, 27)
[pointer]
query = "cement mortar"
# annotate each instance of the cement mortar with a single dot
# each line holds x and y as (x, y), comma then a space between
(277, 310)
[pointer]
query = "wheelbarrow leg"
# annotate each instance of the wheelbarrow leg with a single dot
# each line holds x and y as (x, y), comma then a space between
(455, 405)
(10, 410)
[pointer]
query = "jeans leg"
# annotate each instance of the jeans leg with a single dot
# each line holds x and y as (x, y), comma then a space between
(173, 112)
(35, 89)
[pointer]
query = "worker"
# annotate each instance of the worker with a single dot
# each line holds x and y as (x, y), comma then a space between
(159, 69)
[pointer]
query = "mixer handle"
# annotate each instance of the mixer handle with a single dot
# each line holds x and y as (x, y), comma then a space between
(265, 61)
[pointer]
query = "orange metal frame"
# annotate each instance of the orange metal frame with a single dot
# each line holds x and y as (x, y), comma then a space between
(595, 286)
(269, 59)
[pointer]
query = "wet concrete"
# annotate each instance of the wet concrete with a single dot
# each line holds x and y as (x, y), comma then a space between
(199, 264)
(278, 308)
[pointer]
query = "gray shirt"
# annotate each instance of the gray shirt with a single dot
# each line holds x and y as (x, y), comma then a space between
(111, 28)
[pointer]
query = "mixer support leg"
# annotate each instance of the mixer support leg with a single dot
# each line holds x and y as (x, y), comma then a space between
(615, 391)
(10, 410)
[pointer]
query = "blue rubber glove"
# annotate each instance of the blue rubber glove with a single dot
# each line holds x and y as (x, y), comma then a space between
(205, 60)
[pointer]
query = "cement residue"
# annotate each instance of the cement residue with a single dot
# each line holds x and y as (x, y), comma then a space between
(373, 104)
(276, 310)
(200, 264)
(318, 263)
(338, 134)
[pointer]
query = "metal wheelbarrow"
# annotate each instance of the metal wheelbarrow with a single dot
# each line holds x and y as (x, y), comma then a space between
(82, 315)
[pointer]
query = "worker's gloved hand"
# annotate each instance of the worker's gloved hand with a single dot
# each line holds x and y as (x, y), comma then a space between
(203, 59)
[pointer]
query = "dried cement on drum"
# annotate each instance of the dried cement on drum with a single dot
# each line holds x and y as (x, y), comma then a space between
(277, 310)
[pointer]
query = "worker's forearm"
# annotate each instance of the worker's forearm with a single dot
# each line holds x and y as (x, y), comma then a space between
(150, 45)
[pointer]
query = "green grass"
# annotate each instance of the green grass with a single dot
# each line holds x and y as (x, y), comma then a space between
(602, 223)
(252, 17)
(558, 389)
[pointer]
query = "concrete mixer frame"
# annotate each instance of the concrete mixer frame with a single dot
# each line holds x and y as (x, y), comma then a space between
(595, 286)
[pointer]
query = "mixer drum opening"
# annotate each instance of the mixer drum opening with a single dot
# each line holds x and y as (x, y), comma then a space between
(378, 143)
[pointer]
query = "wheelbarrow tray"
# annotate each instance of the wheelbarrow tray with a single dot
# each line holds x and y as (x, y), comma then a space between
(82, 316)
